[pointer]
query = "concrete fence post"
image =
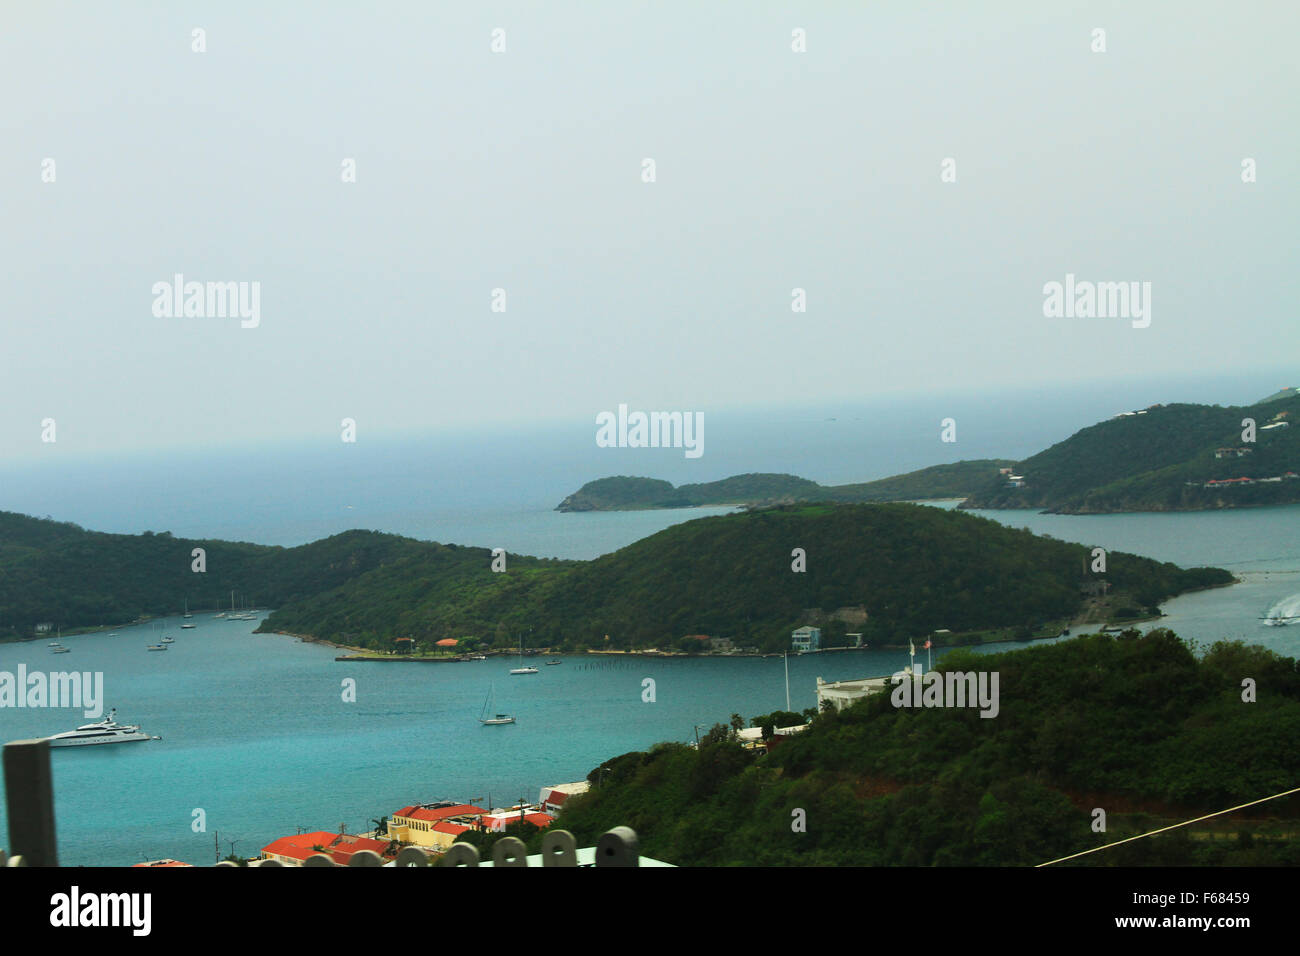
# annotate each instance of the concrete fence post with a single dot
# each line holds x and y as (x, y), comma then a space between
(29, 799)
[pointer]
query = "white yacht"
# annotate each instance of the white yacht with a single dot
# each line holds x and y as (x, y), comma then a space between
(106, 731)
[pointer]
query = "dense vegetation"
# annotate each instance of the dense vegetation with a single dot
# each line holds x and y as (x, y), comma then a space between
(955, 480)
(1159, 461)
(62, 574)
(1137, 726)
(911, 568)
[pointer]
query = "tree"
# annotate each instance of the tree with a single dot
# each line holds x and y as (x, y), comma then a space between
(737, 723)
(720, 733)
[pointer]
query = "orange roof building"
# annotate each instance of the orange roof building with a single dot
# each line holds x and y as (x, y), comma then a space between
(339, 847)
(435, 827)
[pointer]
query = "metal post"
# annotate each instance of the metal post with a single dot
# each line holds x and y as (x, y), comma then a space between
(29, 797)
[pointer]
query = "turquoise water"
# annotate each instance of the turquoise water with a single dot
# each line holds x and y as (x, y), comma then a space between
(257, 735)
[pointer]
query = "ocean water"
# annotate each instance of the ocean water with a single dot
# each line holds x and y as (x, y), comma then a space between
(256, 733)
(498, 486)
(1260, 546)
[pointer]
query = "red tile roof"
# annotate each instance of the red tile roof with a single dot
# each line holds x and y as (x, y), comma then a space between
(299, 846)
(455, 829)
(442, 813)
(344, 851)
(163, 863)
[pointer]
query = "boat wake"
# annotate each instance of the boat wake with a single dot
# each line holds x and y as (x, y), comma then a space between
(1285, 611)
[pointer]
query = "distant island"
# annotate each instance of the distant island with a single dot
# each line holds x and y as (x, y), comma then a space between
(622, 493)
(1181, 457)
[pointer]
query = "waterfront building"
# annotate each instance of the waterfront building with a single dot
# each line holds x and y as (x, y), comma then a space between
(805, 639)
(433, 825)
(339, 847)
(553, 798)
(842, 693)
(501, 819)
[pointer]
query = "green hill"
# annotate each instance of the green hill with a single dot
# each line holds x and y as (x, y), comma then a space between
(1286, 391)
(60, 573)
(912, 568)
(1137, 726)
(954, 480)
(1160, 459)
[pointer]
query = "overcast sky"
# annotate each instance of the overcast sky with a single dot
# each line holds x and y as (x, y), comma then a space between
(523, 170)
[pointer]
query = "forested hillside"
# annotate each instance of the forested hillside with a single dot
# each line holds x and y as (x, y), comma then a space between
(622, 493)
(1137, 726)
(912, 568)
(1160, 459)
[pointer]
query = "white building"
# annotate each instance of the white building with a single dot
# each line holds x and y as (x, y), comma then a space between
(554, 797)
(842, 693)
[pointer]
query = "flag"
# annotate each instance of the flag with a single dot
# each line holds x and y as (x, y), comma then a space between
(927, 645)
(911, 648)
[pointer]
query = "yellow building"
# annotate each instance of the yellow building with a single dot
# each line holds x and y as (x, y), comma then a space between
(437, 827)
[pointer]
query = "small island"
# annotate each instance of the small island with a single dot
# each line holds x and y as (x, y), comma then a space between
(622, 493)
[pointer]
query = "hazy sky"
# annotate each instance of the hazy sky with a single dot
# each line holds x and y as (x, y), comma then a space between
(523, 170)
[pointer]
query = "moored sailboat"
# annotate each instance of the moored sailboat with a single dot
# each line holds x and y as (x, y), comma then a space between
(499, 718)
(521, 669)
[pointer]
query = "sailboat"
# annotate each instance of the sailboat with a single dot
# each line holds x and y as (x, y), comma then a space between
(187, 608)
(499, 718)
(521, 669)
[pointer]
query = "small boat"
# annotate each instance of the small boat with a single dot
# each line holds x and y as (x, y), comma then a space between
(499, 718)
(553, 663)
(186, 627)
(53, 644)
(61, 650)
(169, 640)
(157, 647)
